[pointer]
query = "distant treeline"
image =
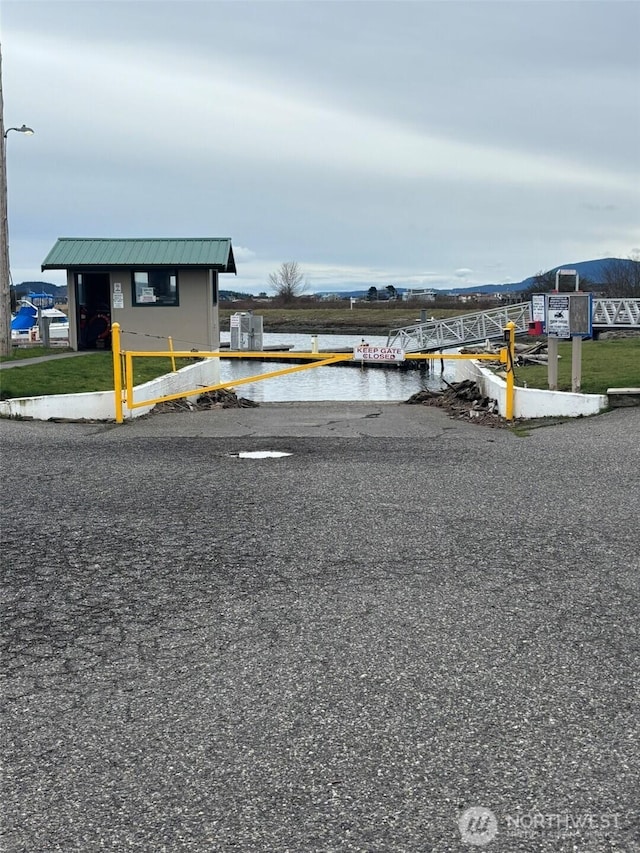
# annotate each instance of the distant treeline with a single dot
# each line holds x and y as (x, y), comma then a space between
(56, 290)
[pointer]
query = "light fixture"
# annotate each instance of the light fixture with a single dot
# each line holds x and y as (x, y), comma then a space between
(24, 129)
(5, 274)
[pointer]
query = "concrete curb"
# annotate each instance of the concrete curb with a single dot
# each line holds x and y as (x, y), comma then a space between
(100, 405)
(532, 402)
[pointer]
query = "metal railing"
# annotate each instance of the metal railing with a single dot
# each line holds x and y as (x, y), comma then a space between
(462, 330)
(467, 329)
(616, 312)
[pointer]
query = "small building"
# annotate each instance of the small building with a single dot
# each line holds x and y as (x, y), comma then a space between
(155, 288)
(424, 294)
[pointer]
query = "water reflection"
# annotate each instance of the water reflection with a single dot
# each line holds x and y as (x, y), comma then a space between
(329, 383)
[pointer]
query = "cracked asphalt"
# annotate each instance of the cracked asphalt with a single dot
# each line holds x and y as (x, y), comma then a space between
(339, 650)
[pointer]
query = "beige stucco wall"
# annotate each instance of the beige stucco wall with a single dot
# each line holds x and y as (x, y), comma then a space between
(193, 324)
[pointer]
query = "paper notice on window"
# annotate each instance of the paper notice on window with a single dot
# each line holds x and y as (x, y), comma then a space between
(147, 294)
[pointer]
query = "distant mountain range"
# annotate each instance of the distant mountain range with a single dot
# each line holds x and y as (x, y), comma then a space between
(591, 270)
(59, 291)
(25, 287)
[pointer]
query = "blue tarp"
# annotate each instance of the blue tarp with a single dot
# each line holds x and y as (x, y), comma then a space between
(24, 319)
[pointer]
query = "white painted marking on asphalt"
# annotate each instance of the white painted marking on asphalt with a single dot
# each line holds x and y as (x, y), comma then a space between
(261, 454)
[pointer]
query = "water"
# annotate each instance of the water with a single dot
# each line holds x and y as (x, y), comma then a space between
(329, 383)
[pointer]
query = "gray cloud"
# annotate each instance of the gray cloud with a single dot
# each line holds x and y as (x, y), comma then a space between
(362, 139)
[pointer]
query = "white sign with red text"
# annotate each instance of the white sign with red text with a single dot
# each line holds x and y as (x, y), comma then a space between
(366, 353)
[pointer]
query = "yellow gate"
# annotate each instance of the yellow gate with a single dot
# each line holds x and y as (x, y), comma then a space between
(123, 368)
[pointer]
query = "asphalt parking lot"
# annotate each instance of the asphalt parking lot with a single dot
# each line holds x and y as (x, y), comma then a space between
(343, 649)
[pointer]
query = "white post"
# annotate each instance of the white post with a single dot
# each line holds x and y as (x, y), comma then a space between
(5, 286)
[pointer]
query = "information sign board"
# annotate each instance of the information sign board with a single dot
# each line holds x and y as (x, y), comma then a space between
(537, 308)
(558, 316)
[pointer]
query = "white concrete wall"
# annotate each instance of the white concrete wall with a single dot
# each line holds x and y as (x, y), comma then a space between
(530, 402)
(100, 405)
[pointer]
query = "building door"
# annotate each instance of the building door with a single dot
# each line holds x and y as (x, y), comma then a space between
(93, 310)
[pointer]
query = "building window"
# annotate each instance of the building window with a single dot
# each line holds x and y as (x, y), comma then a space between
(155, 287)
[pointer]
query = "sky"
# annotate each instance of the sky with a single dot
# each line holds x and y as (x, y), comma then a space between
(417, 144)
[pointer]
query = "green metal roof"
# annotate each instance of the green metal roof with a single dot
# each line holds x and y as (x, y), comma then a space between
(89, 253)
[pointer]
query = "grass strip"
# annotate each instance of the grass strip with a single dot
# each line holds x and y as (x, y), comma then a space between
(20, 353)
(92, 372)
(605, 364)
(364, 318)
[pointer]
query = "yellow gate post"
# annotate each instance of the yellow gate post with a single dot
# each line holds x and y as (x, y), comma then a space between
(511, 354)
(117, 370)
(173, 358)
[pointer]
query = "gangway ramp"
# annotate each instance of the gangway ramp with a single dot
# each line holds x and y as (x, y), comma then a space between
(616, 313)
(460, 331)
(468, 329)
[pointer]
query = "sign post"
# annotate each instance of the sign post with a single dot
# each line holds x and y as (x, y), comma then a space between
(568, 316)
(552, 363)
(576, 363)
(557, 316)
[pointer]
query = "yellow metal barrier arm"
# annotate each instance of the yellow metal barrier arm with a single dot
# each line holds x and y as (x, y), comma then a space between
(459, 356)
(265, 355)
(323, 362)
(294, 354)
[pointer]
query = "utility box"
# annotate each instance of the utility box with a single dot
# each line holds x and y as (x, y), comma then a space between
(245, 331)
(536, 327)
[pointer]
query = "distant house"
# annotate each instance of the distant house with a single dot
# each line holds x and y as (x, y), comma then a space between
(425, 294)
(154, 288)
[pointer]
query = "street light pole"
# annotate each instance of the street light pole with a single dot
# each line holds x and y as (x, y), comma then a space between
(5, 292)
(5, 283)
